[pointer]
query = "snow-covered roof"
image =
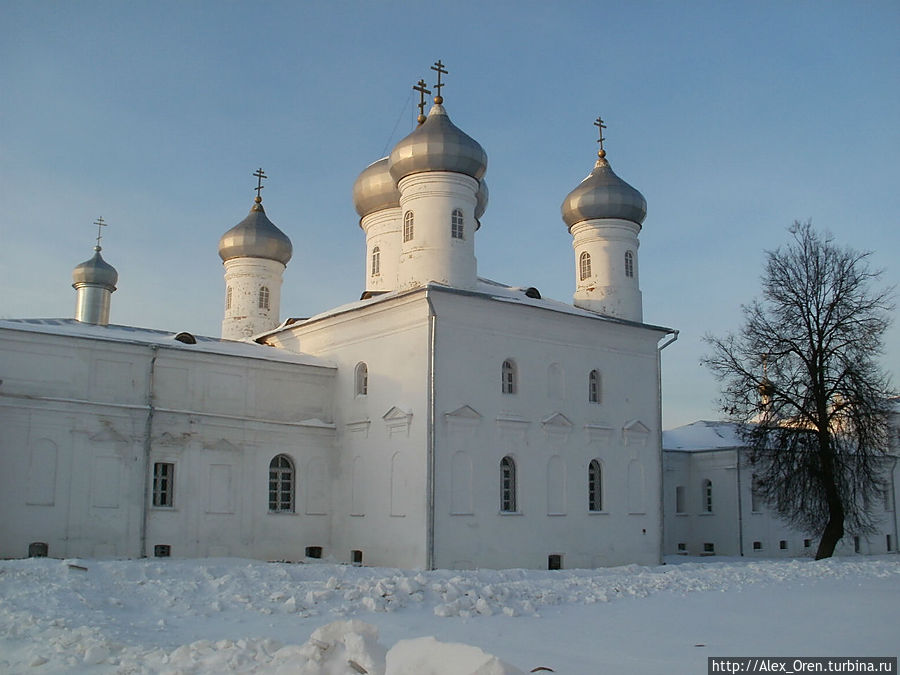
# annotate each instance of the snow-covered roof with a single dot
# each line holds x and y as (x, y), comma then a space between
(486, 288)
(703, 435)
(160, 338)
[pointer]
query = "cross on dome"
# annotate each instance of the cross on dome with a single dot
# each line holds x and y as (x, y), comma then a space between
(100, 225)
(438, 67)
(601, 126)
(420, 87)
(259, 186)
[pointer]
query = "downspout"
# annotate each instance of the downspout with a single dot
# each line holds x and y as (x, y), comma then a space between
(740, 504)
(148, 435)
(894, 501)
(661, 511)
(429, 456)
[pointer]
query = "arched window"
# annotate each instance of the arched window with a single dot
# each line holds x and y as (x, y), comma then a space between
(594, 391)
(229, 292)
(584, 265)
(264, 297)
(507, 484)
(595, 486)
(408, 226)
(376, 261)
(281, 484)
(362, 379)
(456, 224)
(706, 496)
(508, 377)
(629, 264)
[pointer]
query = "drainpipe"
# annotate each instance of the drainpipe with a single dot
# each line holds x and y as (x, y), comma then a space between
(740, 504)
(430, 412)
(662, 495)
(148, 435)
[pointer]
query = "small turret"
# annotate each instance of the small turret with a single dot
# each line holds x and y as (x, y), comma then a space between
(604, 215)
(94, 282)
(438, 169)
(254, 253)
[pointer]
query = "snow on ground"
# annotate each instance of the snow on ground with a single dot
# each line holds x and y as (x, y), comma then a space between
(234, 615)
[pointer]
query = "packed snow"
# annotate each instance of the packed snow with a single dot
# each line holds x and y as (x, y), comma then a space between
(317, 618)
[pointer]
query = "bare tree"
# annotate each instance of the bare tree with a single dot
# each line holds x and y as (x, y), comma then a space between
(802, 375)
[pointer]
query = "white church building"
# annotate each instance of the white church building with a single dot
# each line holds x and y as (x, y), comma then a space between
(442, 420)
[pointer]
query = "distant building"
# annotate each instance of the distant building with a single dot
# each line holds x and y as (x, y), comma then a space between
(443, 420)
(711, 509)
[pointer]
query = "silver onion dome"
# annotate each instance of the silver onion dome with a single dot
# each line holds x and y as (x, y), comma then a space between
(603, 195)
(256, 237)
(375, 189)
(438, 145)
(95, 272)
(481, 199)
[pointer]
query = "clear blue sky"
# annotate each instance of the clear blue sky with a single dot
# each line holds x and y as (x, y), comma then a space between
(733, 119)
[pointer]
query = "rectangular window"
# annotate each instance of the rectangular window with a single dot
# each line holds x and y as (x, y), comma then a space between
(755, 501)
(682, 549)
(313, 551)
(679, 499)
(757, 546)
(856, 544)
(890, 544)
(807, 543)
(554, 561)
(356, 557)
(709, 548)
(163, 484)
(162, 551)
(782, 545)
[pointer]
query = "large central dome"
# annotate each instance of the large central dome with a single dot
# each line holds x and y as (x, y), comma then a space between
(438, 145)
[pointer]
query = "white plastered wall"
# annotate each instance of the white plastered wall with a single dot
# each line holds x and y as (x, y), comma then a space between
(608, 290)
(245, 277)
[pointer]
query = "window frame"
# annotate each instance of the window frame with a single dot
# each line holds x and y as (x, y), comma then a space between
(282, 482)
(595, 387)
(584, 266)
(595, 486)
(163, 496)
(706, 494)
(262, 298)
(376, 262)
(508, 486)
(408, 226)
(361, 379)
(680, 503)
(457, 225)
(229, 297)
(509, 377)
(629, 264)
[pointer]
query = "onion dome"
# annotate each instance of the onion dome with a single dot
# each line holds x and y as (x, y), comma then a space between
(375, 189)
(256, 237)
(95, 272)
(438, 145)
(603, 195)
(481, 199)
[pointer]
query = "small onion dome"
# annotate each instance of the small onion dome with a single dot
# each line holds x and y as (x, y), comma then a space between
(95, 272)
(603, 195)
(374, 189)
(481, 199)
(438, 145)
(256, 237)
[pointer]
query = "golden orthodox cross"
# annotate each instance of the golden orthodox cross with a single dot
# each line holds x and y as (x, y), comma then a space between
(438, 67)
(100, 224)
(259, 186)
(601, 126)
(420, 87)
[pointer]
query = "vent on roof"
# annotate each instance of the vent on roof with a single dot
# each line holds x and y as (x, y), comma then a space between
(532, 292)
(186, 338)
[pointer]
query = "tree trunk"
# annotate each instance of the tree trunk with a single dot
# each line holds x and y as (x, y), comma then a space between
(833, 533)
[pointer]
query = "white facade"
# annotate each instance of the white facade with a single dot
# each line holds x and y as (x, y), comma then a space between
(606, 267)
(252, 297)
(441, 421)
(710, 508)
